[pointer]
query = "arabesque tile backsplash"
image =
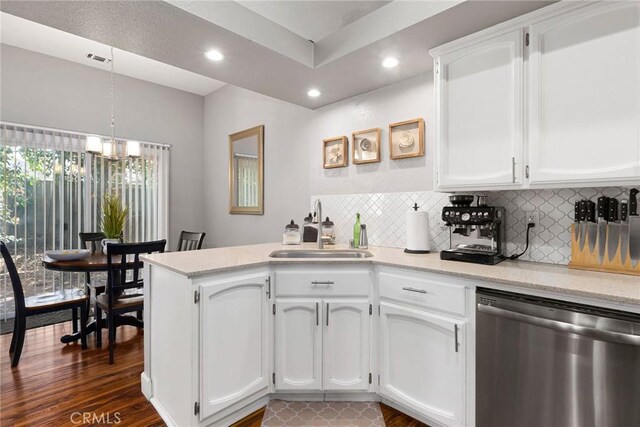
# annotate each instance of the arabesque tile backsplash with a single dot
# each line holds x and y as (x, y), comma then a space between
(385, 216)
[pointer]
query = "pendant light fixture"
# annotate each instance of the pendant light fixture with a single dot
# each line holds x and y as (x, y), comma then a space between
(133, 148)
(94, 145)
(108, 149)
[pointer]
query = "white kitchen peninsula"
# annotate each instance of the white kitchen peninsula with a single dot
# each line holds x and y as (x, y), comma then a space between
(228, 328)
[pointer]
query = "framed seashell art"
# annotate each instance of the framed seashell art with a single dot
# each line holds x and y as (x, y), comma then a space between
(406, 139)
(334, 152)
(365, 146)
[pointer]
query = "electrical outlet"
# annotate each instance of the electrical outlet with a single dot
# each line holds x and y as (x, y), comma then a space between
(532, 217)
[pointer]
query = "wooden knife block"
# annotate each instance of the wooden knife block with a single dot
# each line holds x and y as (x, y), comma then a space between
(585, 259)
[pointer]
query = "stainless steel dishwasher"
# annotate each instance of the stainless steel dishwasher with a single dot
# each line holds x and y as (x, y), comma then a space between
(541, 362)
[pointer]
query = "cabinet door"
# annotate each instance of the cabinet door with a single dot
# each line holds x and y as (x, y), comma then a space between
(480, 107)
(234, 342)
(584, 96)
(422, 366)
(346, 345)
(298, 344)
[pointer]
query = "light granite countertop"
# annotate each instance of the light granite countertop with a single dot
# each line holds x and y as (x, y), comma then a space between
(522, 274)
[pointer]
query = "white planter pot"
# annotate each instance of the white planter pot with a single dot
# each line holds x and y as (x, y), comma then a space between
(105, 242)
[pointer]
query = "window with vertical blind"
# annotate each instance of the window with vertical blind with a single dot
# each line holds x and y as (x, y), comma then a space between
(246, 179)
(52, 190)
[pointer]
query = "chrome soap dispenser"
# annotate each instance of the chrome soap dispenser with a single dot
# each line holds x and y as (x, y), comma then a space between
(363, 243)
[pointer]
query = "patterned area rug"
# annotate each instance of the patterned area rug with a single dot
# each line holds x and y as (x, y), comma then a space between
(280, 413)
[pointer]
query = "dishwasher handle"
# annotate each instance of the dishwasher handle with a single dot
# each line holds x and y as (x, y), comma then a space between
(600, 334)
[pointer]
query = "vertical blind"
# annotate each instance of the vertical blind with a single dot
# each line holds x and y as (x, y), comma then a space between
(247, 180)
(52, 190)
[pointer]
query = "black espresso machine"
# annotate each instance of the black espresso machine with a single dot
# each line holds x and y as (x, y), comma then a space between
(476, 233)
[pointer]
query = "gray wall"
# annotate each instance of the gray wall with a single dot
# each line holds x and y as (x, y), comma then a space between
(286, 141)
(406, 100)
(293, 154)
(44, 91)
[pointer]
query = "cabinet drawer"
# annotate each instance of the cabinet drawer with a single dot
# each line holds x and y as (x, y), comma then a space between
(319, 283)
(423, 292)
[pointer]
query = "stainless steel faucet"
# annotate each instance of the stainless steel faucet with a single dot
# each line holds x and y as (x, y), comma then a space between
(318, 209)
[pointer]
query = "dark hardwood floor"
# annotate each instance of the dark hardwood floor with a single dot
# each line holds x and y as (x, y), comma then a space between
(57, 384)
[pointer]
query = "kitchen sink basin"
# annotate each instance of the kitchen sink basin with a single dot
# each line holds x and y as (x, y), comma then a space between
(320, 253)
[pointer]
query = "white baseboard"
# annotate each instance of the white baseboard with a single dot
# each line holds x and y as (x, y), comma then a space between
(241, 413)
(327, 397)
(298, 396)
(146, 385)
(163, 414)
(410, 412)
(248, 409)
(351, 397)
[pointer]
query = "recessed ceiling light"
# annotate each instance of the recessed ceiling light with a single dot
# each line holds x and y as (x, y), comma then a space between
(214, 55)
(390, 62)
(314, 93)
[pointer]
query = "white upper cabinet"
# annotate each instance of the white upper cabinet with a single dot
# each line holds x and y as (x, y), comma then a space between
(346, 345)
(480, 103)
(584, 103)
(580, 65)
(298, 345)
(233, 322)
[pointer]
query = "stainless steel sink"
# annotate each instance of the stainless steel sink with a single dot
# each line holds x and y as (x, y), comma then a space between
(320, 253)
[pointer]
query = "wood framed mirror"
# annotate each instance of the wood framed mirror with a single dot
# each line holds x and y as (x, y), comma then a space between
(246, 172)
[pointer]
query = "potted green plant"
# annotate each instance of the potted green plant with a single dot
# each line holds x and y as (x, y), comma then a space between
(114, 217)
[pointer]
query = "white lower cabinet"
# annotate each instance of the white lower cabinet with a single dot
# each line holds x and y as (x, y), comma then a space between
(220, 346)
(234, 342)
(298, 345)
(322, 344)
(422, 362)
(346, 346)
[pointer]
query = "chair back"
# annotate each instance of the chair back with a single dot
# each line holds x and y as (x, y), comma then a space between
(190, 241)
(122, 257)
(16, 283)
(92, 240)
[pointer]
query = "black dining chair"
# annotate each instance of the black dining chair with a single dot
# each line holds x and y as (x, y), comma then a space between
(121, 295)
(190, 241)
(92, 241)
(39, 304)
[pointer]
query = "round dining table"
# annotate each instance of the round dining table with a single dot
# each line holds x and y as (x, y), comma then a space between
(95, 262)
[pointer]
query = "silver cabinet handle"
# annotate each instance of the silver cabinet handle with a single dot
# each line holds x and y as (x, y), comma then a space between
(513, 169)
(456, 343)
(317, 315)
(320, 282)
(327, 314)
(599, 334)
(410, 289)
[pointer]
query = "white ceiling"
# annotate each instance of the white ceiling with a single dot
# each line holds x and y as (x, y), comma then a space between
(261, 55)
(347, 25)
(30, 35)
(313, 20)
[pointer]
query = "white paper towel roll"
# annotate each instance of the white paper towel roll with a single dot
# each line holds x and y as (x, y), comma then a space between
(418, 235)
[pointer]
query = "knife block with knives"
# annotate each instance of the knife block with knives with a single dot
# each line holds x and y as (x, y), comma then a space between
(610, 242)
